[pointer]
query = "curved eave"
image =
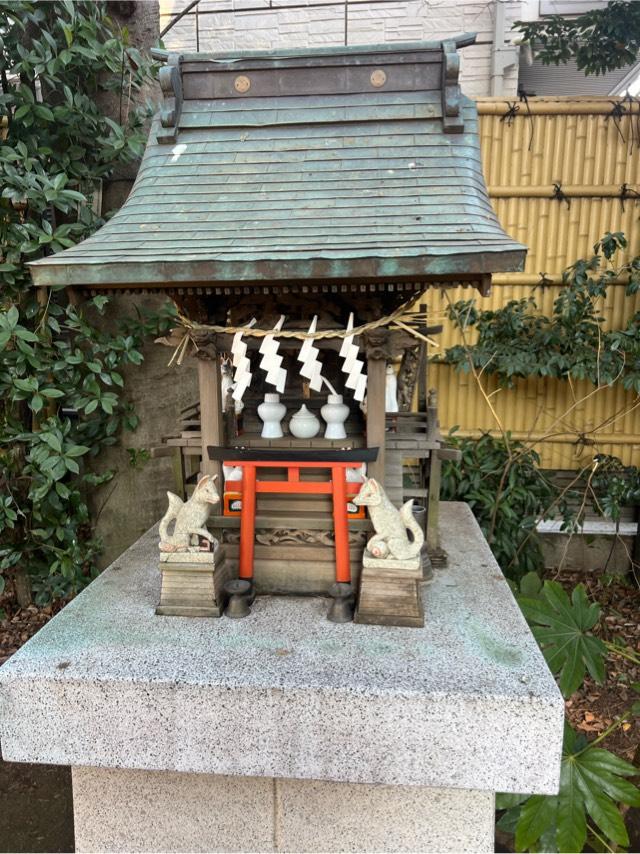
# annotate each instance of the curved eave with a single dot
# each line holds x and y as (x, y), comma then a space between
(159, 274)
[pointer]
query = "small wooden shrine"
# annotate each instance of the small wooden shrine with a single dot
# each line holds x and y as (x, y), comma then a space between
(295, 205)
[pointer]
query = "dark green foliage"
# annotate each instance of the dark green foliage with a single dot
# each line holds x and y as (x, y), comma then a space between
(61, 379)
(562, 628)
(508, 494)
(517, 341)
(615, 486)
(600, 40)
(502, 483)
(592, 784)
(592, 780)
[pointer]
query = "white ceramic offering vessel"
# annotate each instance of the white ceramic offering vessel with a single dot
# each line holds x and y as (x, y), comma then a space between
(304, 424)
(335, 413)
(271, 413)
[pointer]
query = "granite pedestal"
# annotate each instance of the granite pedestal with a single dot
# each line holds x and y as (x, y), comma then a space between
(283, 731)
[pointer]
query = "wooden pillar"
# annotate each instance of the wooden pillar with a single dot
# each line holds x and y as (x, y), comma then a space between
(378, 350)
(435, 468)
(211, 425)
(433, 502)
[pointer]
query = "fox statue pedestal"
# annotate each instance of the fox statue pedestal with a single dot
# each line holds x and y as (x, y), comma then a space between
(192, 562)
(193, 584)
(390, 590)
(390, 593)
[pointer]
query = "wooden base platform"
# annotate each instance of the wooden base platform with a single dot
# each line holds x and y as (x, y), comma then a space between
(390, 595)
(192, 585)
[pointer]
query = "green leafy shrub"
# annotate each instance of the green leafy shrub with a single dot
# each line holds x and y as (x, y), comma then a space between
(599, 40)
(562, 628)
(61, 376)
(518, 341)
(614, 486)
(502, 483)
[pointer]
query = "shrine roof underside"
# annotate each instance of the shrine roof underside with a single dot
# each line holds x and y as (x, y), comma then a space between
(355, 164)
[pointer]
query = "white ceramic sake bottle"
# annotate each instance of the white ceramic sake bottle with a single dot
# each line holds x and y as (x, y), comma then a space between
(271, 412)
(335, 413)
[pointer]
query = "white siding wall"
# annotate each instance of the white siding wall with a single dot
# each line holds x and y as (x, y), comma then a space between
(404, 20)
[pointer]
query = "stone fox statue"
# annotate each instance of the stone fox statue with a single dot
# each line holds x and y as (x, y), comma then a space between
(190, 517)
(390, 539)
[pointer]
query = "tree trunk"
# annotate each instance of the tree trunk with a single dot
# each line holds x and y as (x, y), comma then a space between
(22, 587)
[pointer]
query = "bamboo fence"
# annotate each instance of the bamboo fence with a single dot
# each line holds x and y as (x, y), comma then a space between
(578, 145)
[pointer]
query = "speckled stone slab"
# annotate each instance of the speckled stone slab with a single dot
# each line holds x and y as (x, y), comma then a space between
(117, 810)
(189, 557)
(465, 702)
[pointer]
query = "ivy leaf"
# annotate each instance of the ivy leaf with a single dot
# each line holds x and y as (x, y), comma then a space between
(43, 112)
(100, 302)
(52, 440)
(11, 317)
(71, 465)
(76, 451)
(26, 334)
(561, 627)
(22, 111)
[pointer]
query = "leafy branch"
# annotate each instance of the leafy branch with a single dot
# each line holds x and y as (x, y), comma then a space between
(62, 375)
(599, 40)
(518, 341)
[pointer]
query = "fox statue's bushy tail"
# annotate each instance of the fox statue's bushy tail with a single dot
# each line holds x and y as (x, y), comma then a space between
(406, 514)
(175, 503)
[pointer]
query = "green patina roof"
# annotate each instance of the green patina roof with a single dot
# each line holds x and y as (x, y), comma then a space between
(312, 173)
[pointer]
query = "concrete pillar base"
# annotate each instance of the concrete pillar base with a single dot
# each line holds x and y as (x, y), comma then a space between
(121, 810)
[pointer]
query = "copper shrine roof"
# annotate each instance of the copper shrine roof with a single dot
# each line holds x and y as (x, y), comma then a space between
(355, 163)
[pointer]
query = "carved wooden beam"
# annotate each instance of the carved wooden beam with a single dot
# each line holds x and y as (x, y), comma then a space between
(377, 344)
(170, 78)
(452, 121)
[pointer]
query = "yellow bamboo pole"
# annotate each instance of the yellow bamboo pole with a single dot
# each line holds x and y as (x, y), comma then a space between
(547, 191)
(551, 106)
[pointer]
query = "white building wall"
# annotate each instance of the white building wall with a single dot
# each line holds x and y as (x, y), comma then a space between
(316, 25)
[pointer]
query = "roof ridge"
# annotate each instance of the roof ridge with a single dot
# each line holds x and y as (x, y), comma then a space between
(460, 41)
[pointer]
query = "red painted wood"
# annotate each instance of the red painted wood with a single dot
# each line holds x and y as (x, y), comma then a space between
(273, 487)
(337, 487)
(248, 522)
(340, 524)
